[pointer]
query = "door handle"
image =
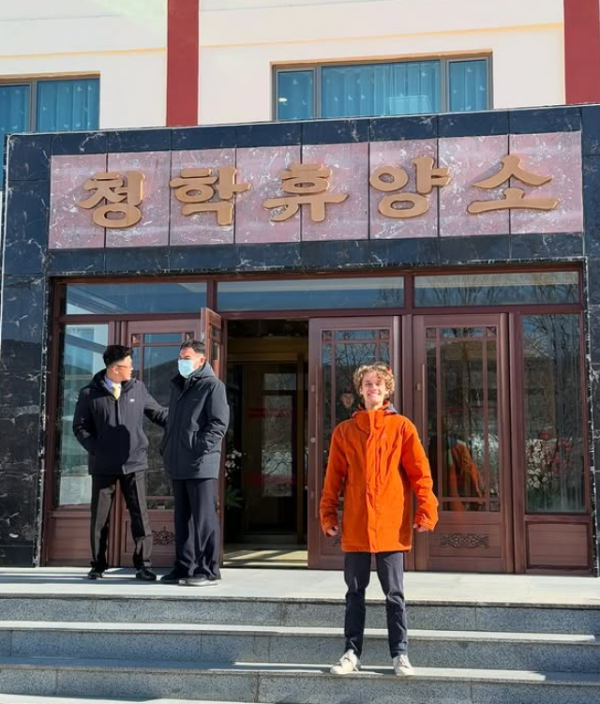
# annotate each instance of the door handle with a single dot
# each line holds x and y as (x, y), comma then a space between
(423, 402)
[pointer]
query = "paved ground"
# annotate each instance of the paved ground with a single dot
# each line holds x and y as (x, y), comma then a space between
(313, 584)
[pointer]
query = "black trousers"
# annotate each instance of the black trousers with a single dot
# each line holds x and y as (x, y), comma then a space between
(357, 573)
(133, 487)
(197, 534)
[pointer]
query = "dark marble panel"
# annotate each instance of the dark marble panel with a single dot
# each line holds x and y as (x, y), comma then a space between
(422, 251)
(206, 259)
(151, 140)
(204, 137)
(593, 282)
(137, 260)
(18, 505)
(29, 157)
(591, 205)
(390, 129)
(335, 131)
(75, 261)
(480, 249)
(28, 205)
(272, 134)
(334, 255)
(268, 257)
(22, 323)
(66, 143)
(549, 247)
(533, 121)
(590, 125)
(21, 391)
(17, 555)
(594, 332)
(473, 124)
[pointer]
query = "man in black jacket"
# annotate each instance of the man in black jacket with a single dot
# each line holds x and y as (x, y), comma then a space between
(108, 422)
(191, 450)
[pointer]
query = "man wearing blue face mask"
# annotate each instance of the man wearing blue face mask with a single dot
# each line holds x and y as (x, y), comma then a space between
(191, 450)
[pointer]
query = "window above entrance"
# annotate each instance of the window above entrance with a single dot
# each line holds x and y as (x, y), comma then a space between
(382, 89)
(311, 294)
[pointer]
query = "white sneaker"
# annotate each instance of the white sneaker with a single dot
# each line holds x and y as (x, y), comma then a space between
(348, 663)
(402, 666)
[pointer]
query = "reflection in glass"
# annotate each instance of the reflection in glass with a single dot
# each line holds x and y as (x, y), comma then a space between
(497, 289)
(82, 348)
(553, 414)
(105, 299)
(311, 294)
(462, 418)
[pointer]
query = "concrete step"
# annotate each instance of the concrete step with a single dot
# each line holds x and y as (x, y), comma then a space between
(196, 606)
(256, 682)
(305, 645)
(27, 699)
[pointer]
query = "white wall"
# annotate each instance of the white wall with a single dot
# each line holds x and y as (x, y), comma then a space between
(240, 41)
(124, 42)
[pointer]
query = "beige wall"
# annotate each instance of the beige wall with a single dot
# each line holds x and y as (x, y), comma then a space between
(240, 41)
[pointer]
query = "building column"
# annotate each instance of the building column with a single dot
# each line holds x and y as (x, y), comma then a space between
(582, 51)
(182, 62)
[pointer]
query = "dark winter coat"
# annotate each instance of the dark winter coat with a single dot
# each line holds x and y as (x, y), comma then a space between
(112, 431)
(198, 420)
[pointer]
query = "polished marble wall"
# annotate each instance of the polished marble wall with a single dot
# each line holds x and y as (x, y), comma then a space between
(42, 167)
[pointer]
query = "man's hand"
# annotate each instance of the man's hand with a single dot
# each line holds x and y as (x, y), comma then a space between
(332, 532)
(419, 528)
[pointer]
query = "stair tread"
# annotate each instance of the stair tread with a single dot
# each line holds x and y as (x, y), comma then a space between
(275, 669)
(249, 630)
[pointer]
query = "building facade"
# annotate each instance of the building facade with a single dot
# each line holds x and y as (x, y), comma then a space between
(319, 230)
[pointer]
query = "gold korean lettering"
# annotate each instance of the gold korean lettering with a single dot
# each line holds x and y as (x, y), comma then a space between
(388, 179)
(514, 198)
(195, 188)
(307, 184)
(121, 195)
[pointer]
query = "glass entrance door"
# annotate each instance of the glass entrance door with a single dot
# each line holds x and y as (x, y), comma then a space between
(337, 347)
(460, 373)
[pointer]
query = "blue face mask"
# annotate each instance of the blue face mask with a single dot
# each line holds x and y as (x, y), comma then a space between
(186, 367)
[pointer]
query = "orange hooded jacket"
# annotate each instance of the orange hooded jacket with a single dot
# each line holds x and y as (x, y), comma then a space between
(377, 456)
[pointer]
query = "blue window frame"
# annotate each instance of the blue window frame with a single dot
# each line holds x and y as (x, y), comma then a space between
(48, 106)
(382, 89)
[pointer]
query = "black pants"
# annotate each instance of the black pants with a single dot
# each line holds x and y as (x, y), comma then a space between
(357, 573)
(197, 534)
(133, 487)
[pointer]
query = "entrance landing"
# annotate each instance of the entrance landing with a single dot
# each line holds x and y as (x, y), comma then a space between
(252, 583)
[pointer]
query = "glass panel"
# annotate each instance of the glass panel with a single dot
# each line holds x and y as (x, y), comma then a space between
(497, 289)
(468, 85)
(459, 333)
(554, 450)
(462, 426)
(277, 470)
(295, 95)
(311, 294)
(157, 366)
(163, 337)
(279, 382)
(65, 106)
(103, 299)
(14, 115)
(356, 335)
(381, 89)
(82, 349)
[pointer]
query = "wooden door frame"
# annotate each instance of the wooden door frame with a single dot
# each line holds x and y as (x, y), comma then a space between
(461, 320)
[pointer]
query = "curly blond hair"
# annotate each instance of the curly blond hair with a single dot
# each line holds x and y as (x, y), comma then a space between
(383, 372)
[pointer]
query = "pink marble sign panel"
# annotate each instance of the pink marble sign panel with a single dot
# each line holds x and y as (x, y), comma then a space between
(201, 228)
(153, 229)
(402, 154)
(72, 227)
(261, 166)
(556, 154)
(470, 160)
(349, 220)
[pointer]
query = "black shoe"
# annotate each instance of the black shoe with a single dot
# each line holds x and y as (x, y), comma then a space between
(171, 577)
(95, 573)
(145, 574)
(199, 581)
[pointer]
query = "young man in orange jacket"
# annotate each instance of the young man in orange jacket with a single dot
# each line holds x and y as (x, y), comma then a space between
(377, 458)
